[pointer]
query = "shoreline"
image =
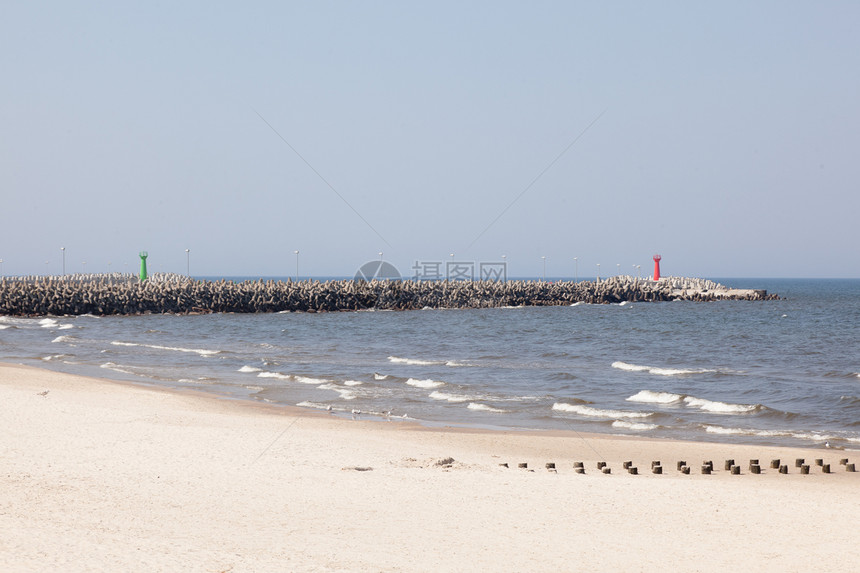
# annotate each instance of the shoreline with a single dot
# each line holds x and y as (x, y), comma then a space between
(105, 475)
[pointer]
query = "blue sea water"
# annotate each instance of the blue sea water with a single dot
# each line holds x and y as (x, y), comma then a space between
(783, 372)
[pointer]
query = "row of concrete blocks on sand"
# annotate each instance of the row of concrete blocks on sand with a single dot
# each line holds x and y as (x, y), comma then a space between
(706, 469)
(181, 295)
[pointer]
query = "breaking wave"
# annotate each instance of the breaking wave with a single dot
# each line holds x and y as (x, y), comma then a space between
(597, 412)
(424, 383)
(712, 406)
(484, 408)
(657, 370)
(201, 352)
(637, 426)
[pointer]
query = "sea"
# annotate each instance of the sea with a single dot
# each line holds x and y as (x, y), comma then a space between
(782, 372)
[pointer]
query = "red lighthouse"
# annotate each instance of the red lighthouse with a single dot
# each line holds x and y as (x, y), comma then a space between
(657, 267)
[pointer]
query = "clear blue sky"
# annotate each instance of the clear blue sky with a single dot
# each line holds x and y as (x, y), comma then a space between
(728, 140)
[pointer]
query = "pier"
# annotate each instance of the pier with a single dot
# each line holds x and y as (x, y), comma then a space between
(124, 294)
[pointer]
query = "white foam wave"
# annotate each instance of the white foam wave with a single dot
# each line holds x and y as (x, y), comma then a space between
(484, 408)
(413, 361)
(649, 397)
(720, 407)
(656, 370)
(597, 412)
(199, 351)
(48, 323)
(66, 326)
(377, 376)
(455, 364)
(625, 303)
(454, 398)
(277, 375)
(5, 326)
(53, 357)
(316, 405)
(249, 369)
(310, 380)
(424, 383)
(578, 303)
(810, 436)
(64, 338)
(255, 388)
(637, 426)
(352, 383)
(115, 368)
(344, 393)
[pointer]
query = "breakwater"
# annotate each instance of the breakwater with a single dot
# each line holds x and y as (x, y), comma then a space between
(165, 293)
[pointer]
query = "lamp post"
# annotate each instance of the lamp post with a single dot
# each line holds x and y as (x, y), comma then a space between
(576, 269)
(598, 272)
(544, 267)
(297, 265)
(619, 268)
(1, 267)
(638, 271)
(188, 262)
(64, 260)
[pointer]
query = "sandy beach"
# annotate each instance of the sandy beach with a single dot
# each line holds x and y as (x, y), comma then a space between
(105, 476)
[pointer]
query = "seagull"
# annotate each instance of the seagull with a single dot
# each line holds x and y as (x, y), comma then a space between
(328, 408)
(355, 413)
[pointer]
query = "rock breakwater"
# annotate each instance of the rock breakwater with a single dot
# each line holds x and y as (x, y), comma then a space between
(164, 293)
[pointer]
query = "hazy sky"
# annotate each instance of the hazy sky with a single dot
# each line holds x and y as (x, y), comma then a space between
(723, 135)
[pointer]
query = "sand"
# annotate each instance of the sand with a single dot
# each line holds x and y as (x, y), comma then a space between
(104, 476)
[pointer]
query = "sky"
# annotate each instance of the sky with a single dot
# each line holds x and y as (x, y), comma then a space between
(723, 136)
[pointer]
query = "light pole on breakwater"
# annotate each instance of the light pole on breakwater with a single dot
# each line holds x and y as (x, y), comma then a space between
(297, 265)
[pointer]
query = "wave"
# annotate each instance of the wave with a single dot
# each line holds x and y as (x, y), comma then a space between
(649, 397)
(115, 368)
(800, 435)
(352, 383)
(201, 352)
(454, 398)
(413, 361)
(249, 369)
(712, 406)
(721, 407)
(417, 362)
(345, 393)
(277, 375)
(657, 370)
(310, 380)
(578, 303)
(377, 376)
(637, 426)
(5, 326)
(484, 408)
(597, 412)
(424, 383)
(54, 357)
(48, 323)
(64, 338)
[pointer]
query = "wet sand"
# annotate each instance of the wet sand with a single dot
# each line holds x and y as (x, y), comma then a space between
(104, 476)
